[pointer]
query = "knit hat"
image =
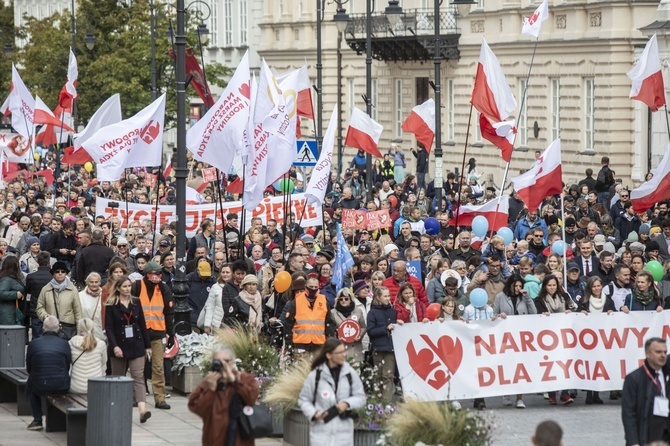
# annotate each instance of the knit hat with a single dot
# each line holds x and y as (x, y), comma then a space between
(249, 278)
(359, 285)
(652, 246)
(636, 246)
(390, 247)
(30, 241)
(644, 229)
(306, 238)
(632, 237)
(204, 269)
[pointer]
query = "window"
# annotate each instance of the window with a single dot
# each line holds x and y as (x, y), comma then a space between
(228, 19)
(451, 115)
(398, 108)
(244, 25)
(522, 125)
(375, 100)
(214, 26)
(280, 7)
(555, 110)
(301, 8)
(421, 84)
(589, 113)
(480, 4)
(351, 94)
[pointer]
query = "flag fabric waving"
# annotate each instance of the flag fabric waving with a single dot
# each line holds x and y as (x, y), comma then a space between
(15, 148)
(21, 105)
(543, 179)
(318, 182)
(69, 91)
(4, 108)
(421, 122)
(343, 260)
(133, 142)
(493, 98)
(655, 190)
(43, 115)
(496, 215)
(305, 105)
(216, 137)
(533, 24)
(109, 113)
(647, 77)
(363, 133)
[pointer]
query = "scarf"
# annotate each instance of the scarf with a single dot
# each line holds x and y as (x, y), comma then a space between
(644, 297)
(255, 313)
(555, 304)
(608, 230)
(59, 286)
(596, 304)
(90, 293)
(412, 312)
(345, 311)
(496, 279)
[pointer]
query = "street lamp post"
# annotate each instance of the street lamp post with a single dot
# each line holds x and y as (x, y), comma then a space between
(342, 20)
(437, 59)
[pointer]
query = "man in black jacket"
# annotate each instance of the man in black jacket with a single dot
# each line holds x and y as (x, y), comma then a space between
(421, 165)
(34, 284)
(48, 364)
(644, 405)
(95, 257)
(231, 290)
(63, 244)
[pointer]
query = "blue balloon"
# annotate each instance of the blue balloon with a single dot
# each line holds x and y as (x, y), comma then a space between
(558, 247)
(432, 226)
(480, 226)
(479, 297)
(507, 234)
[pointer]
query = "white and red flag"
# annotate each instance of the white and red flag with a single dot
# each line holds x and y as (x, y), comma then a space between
(21, 106)
(647, 77)
(655, 190)
(421, 122)
(543, 179)
(15, 148)
(133, 142)
(69, 91)
(168, 169)
(217, 136)
(363, 133)
(533, 24)
(109, 113)
(4, 108)
(494, 213)
(305, 104)
(494, 100)
(318, 182)
(44, 115)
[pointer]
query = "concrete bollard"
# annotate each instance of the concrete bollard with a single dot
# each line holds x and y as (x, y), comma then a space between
(12, 346)
(110, 411)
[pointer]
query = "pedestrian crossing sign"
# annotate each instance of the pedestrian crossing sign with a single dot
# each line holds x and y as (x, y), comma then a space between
(307, 153)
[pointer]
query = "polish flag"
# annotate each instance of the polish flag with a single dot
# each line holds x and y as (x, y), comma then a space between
(421, 122)
(305, 104)
(533, 24)
(109, 113)
(647, 77)
(193, 196)
(21, 105)
(496, 215)
(69, 91)
(79, 158)
(543, 179)
(168, 169)
(363, 133)
(655, 190)
(44, 115)
(494, 100)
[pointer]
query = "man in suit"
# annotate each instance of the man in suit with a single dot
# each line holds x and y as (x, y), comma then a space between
(587, 261)
(644, 405)
(663, 240)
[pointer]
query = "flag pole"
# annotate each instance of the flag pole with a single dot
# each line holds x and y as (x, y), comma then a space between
(125, 198)
(460, 183)
(565, 250)
(158, 185)
(241, 252)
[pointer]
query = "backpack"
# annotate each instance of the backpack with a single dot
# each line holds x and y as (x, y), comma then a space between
(318, 378)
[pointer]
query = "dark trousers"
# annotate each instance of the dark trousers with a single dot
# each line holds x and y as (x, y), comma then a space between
(36, 326)
(658, 429)
(35, 405)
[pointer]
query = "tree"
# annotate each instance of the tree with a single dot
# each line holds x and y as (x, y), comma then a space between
(6, 40)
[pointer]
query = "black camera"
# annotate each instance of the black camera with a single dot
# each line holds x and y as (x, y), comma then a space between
(217, 366)
(348, 414)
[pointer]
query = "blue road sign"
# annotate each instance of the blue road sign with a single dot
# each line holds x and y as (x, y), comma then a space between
(307, 153)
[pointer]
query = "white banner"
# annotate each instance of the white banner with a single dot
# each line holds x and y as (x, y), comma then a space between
(523, 354)
(267, 209)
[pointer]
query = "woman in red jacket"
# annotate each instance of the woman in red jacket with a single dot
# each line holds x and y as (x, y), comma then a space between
(408, 307)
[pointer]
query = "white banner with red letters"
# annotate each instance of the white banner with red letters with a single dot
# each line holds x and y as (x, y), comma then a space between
(523, 354)
(267, 209)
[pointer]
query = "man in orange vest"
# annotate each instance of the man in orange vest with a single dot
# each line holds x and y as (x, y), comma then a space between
(156, 300)
(307, 320)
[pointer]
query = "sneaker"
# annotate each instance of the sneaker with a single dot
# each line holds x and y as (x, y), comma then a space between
(614, 395)
(167, 395)
(456, 405)
(552, 400)
(546, 396)
(35, 426)
(507, 401)
(565, 399)
(520, 404)
(162, 405)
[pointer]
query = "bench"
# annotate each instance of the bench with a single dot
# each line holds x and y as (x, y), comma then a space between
(13, 389)
(68, 413)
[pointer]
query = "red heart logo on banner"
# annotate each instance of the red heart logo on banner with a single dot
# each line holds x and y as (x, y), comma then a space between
(150, 132)
(245, 90)
(427, 361)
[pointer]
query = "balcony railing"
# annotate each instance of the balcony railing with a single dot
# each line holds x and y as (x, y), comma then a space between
(413, 22)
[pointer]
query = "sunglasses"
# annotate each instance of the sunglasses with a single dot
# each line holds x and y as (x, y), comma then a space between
(344, 299)
(60, 271)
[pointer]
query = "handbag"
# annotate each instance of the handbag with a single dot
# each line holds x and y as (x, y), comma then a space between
(67, 331)
(19, 314)
(255, 422)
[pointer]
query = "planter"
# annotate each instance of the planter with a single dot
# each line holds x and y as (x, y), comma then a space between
(366, 437)
(296, 429)
(187, 380)
(277, 423)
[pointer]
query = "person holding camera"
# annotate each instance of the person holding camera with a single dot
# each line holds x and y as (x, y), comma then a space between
(332, 390)
(220, 399)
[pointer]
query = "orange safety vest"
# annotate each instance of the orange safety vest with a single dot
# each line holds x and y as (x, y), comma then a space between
(153, 308)
(310, 323)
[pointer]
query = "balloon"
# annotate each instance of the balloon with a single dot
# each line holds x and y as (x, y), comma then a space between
(276, 185)
(558, 247)
(656, 269)
(37, 156)
(286, 185)
(88, 166)
(393, 201)
(480, 226)
(479, 297)
(432, 226)
(282, 281)
(433, 311)
(507, 235)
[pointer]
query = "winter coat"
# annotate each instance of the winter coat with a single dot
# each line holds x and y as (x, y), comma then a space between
(533, 285)
(228, 294)
(379, 318)
(503, 304)
(213, 310)
(403, 314)
(637, 403)
(198, 291)
(34, 284)
(92, 308)
(214, 408)
(9, 286)
(116, 320)
(86, 364)
(523, 226)
(357, 315)
(609, 305)
(394, 286)
(95, 257)
(337, 431)
(435, 290)
(69, 307)
(48, 362)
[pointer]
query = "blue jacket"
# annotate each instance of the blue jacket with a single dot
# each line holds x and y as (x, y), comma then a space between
(523, 226)
(198, 292)
(48, 363)
(379, 318)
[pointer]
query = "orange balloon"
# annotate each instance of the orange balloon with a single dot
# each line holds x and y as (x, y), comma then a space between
(433, 311)
(282, 281)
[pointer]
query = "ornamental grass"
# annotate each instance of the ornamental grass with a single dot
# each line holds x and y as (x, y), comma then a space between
(282, 393)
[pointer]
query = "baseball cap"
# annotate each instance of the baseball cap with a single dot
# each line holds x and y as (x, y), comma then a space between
(204, 269)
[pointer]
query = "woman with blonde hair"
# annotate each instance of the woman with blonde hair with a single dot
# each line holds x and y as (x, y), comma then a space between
(554, 263)
(90, 299)
(89, 356)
